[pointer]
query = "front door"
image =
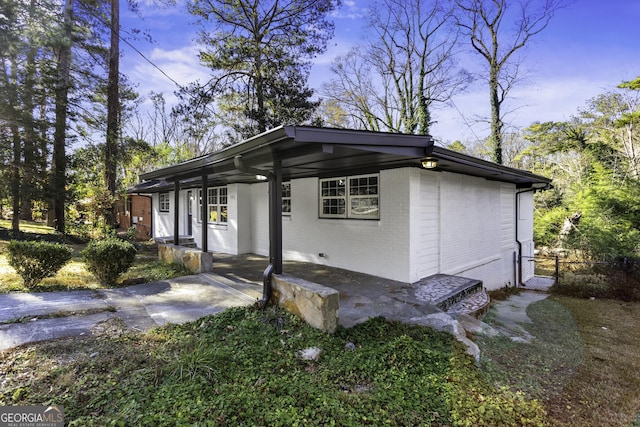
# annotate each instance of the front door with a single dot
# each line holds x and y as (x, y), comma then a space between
(189, 213)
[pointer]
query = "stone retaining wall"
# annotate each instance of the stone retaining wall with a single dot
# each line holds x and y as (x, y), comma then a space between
(315, 304)
(192, 259)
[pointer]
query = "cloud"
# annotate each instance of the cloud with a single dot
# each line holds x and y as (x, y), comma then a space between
(549, 100)
(350, 10)
(181, 64)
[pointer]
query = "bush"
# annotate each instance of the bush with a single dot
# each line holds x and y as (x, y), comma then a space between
(623, 277)
(611, 277)
(35, 261)
(109, 258)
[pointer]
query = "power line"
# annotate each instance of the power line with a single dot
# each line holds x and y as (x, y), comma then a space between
(465, 121)
(101, 18)
(149, 61)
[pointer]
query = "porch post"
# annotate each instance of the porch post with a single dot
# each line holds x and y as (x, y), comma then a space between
(275, 217)
(176, 212)
(204, 214)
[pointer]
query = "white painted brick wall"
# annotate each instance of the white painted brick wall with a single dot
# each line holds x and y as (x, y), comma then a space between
(525, 233)
(260, 218)
(429, 223)
(162, 221)
(470, 222)
(426, 248)
(474, 229)
(507, 216)
(233, 237)
(377, 247)
(240, 194)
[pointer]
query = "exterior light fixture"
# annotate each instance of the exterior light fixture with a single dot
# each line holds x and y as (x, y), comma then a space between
(429, 163)
(261, 178)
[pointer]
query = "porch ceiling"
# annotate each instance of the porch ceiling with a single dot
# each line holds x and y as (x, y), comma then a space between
(322, 152)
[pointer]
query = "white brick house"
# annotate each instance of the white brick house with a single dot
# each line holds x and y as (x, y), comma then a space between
(357, 200)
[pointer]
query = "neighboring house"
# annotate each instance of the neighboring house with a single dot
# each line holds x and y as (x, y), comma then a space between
(390, 205)
(135, 211)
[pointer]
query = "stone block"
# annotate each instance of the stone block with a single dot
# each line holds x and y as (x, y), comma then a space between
(315, 304)
(193, 260)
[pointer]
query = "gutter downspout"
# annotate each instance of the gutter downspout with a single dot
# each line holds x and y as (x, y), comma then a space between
(517, 215)
(275, 224)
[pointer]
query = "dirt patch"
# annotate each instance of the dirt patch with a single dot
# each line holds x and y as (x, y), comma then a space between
(114, 327)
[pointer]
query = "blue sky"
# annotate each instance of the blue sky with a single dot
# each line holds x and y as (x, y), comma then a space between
(588, 49)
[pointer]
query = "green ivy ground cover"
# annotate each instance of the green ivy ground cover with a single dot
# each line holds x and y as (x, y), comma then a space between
(241, 368)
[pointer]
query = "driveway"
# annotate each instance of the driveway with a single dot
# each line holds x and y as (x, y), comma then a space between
(30, 317)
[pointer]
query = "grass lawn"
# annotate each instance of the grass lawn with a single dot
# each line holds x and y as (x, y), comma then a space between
(243, 367)
(74, 275)
(583, 364)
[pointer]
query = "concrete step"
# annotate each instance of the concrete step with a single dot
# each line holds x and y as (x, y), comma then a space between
(475, 305)
(444, 291)
(187, 241)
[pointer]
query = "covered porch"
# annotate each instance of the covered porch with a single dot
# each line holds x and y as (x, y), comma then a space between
(362, 296)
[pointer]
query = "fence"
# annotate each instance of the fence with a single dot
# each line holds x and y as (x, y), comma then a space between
(620, 273)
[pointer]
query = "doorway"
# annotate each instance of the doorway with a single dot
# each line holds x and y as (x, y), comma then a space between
(189, 213)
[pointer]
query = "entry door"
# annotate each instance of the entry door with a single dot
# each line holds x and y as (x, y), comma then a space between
(189, 213)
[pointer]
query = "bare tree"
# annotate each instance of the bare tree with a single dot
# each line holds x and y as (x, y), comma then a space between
(496, 33)
(406, 65)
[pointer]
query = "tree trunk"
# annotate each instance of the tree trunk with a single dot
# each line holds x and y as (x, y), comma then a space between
(59, 138)
(15, 178)
(496, 120)
(29, 150)
(113, 103)
(17, 146)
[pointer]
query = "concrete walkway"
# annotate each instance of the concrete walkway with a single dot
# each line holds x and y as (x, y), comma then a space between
(510, 316)
(236, 281)
(31, 317)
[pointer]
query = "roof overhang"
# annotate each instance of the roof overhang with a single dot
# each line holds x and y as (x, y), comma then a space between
(305, 151)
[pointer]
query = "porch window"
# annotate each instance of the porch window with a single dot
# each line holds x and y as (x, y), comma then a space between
(353, 197)
(217, 205)
(164, 202)
(286, 198)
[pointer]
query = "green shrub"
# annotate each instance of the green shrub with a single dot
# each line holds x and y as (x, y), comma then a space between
(35, 261)
(132, 234)
(109, 258)
(547, 224)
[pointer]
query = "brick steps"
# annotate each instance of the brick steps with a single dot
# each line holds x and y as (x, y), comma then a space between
(475, 305)
(453, 294)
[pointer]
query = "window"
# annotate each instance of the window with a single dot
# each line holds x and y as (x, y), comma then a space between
(363, 197)
(164, 202)
(333, 199)
(217, 205)
(350, 197)
(286, 198)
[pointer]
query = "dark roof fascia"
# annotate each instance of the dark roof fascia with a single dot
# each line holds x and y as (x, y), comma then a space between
(375, 141)
(268, 144)
(224, 154)
(501, 172)
(356, 137)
